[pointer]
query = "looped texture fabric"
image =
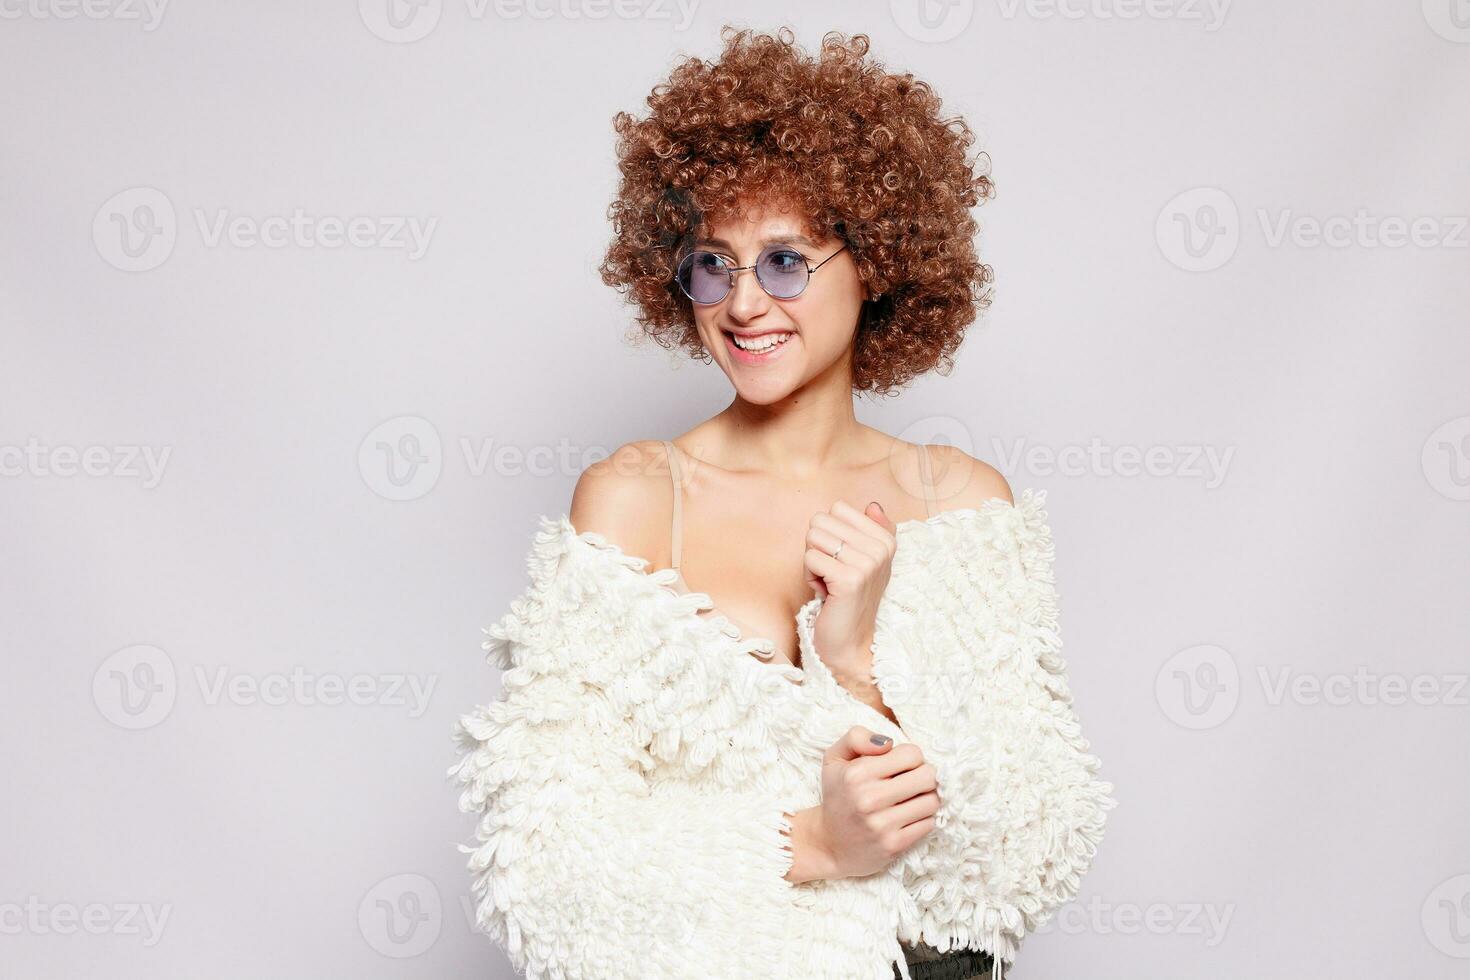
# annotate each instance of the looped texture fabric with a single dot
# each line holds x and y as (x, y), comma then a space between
(628, 741)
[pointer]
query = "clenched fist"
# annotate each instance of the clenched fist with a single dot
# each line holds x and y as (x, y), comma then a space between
(878, 800)
(851, 584)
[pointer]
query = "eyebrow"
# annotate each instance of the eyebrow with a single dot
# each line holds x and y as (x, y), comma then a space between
(772, 240)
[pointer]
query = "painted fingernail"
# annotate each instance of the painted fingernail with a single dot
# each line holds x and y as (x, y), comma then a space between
(880, 739)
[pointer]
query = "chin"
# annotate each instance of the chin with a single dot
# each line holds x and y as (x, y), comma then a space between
(763, 391)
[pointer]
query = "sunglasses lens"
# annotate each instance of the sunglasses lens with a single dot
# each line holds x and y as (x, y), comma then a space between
(782, 272)
(704, 277)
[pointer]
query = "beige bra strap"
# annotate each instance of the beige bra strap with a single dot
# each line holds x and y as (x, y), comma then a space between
(927, 479)
(678, 524)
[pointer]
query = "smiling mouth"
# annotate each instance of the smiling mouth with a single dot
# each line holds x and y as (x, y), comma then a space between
(762, 344)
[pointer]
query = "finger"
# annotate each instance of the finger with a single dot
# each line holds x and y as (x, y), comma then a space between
(879, 516)
(815, 583)
(846, 511)
(906, 785)
(919, 810)
(914, 832)
(821, 564)
(914, 808)
(823, 539)
(905, 756)
(860, 523)
(863, 524)
(857, 742)
(858, 540)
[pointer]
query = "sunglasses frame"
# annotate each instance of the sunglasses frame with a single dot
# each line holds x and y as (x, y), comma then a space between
(731, 270)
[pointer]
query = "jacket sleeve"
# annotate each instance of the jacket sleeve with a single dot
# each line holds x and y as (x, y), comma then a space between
(985, 695)
(585, 865)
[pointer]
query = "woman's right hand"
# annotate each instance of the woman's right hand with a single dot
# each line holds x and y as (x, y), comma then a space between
(878, 800)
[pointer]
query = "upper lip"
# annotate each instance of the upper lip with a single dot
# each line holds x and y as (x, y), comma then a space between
(747, 334)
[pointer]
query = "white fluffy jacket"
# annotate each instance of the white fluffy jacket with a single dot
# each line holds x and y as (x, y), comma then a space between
(631, 776)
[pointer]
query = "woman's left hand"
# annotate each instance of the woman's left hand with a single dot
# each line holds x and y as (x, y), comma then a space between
(851, 584)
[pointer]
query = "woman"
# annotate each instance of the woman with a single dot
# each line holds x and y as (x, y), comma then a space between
(783, 698)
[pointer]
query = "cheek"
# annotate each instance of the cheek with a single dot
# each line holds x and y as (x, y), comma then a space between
(826, 325)
(704, 322)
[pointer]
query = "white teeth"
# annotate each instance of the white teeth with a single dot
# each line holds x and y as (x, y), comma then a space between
(764, 342)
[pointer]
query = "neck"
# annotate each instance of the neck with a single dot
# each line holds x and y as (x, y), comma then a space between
(811, 430)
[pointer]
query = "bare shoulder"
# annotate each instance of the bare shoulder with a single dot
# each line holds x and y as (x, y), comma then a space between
(627, 498)
(961, 481)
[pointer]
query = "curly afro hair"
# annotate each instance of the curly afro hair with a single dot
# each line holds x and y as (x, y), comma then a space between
(862, 154)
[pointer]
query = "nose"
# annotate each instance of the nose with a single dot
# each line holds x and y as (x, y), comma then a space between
(747, 300)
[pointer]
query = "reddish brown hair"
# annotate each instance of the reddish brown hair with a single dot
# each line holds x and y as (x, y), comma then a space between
(862, 154)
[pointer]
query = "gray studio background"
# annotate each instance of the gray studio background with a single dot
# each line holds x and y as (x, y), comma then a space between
(302, 331)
